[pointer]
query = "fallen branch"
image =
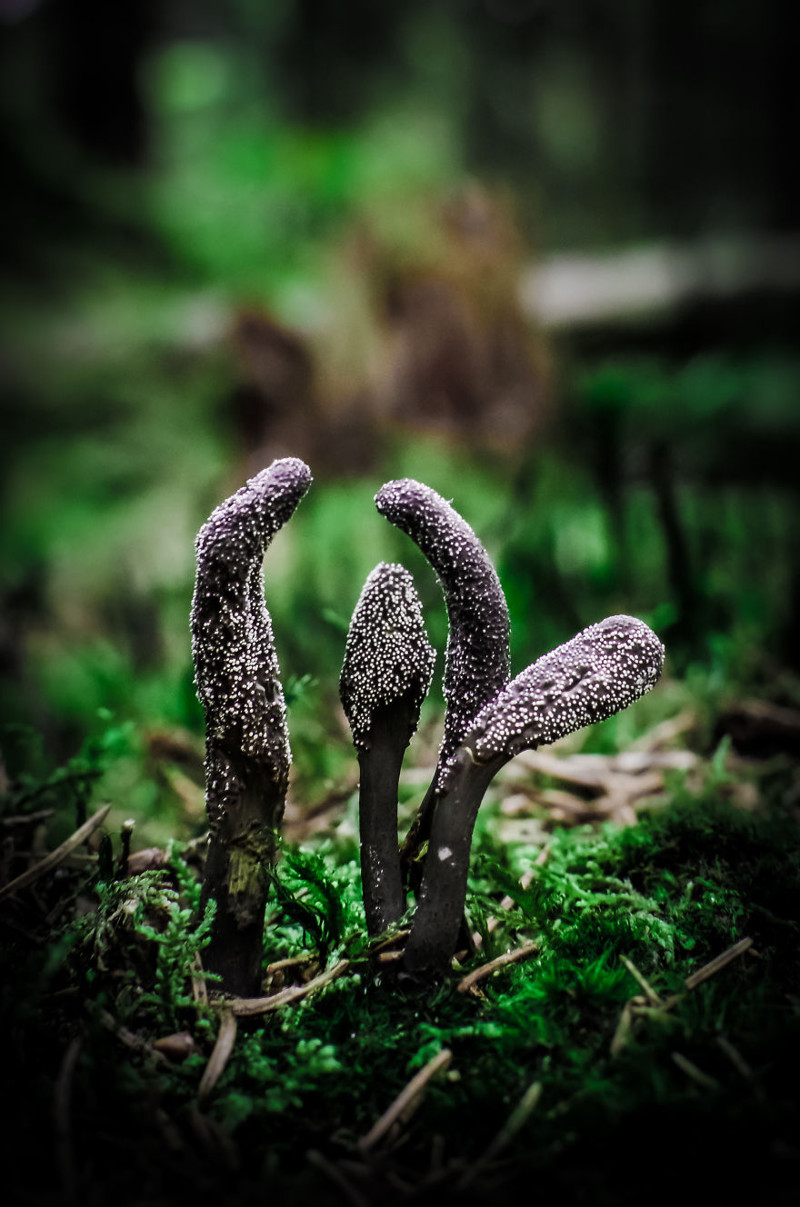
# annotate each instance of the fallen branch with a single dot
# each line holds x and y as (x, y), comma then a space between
(32, 874)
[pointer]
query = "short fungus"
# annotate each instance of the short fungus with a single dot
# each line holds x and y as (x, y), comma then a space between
(388, 664)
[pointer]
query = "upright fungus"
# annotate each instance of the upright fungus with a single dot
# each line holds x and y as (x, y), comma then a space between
(599, 672)
(238, 683)
(388, 664)
(477, 657)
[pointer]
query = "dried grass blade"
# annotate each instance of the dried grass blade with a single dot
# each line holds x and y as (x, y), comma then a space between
(220, 1055)
(57, 856)
(719, 962)
(404, 1100)
(514, 1124)
(242, 1006)
(468, 983)
(653, 998)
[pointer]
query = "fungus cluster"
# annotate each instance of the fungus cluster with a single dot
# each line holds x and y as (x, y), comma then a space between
(387, 669)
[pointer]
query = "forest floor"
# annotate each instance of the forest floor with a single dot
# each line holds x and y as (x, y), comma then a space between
(626, 1029)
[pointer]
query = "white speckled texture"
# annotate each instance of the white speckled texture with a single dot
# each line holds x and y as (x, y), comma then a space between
(477, 659)
(236, 667)
(596, 674)
(387, 654)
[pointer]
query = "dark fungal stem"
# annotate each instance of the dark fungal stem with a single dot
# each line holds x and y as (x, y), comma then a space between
(437, 923)
(477, 657)
(599, 672)
(380, 764)
(247, 745)
(386, 674)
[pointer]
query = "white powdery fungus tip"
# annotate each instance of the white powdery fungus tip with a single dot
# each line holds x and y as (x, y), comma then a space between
(477, 658)
(236, 667)
(387, 654)
(598, 673)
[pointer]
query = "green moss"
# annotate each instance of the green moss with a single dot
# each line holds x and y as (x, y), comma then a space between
(666, 896)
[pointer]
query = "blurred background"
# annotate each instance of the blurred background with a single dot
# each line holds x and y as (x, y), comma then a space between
(543, 255)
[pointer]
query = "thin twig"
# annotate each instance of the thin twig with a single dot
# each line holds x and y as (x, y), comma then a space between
(62, 1094)
(337, 1176)
(691, 1070)
(404, 1100)
(226, 1037)
(625, 1025)
(129, 1038)
(291, 962)
(26, 819)
(57, 856)
(650, 993)
(736, 1058)
(515, 1122)
(242, 1006)
(719, 962)
(468, 983)
(199, 986)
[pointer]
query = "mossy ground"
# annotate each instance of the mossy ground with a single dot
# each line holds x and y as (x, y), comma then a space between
(681, 1094)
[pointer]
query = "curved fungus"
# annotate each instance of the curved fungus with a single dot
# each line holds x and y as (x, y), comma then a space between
(599, 672)
(238, 683)
(477, 656)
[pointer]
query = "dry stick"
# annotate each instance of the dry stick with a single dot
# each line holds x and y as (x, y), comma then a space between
(403, 1101)
(129, 1038)
(219, 1056)
(337, 1176)
(468, 983)
(691, 1070)
(741, 1065)
(199, 986)
(514, 1124)
(57, 856)
(290, 962)
(26, 819)
(624, 1026)
(650, 993)
(719, 962)
(638, 1005)
(242, 1006)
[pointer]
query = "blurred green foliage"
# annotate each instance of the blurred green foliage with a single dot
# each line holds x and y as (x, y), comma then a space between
(196, 164)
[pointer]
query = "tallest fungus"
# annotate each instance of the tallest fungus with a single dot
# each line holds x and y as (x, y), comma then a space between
(247, 745)
(477, 657)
